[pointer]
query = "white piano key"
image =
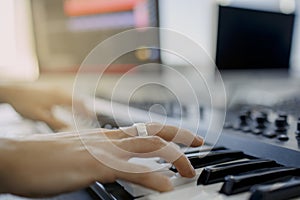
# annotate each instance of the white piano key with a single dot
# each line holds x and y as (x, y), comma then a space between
(176, 179)
(136, 190)
(154, 164)
(193, 192)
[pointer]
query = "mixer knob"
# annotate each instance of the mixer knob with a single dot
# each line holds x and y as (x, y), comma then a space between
(242, 122)
(260, 121)
(264, 114)
(243, 119)
(283, 137)
(280, 124)
(284, 116)
(298, 128)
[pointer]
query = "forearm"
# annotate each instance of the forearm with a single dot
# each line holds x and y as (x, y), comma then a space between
(7, 147)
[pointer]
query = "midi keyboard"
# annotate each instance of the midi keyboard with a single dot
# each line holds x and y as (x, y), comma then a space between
(257, 157)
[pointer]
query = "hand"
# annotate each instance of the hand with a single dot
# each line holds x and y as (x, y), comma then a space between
(45, 165)
(37, 103)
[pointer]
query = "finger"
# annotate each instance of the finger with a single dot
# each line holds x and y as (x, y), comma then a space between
(175, 134)
(167, 132)
(78, 106)
(81, 108)
(94, 135)
(63, 98)
(141, 175)
(49, 119)
(84, 135)
(156, 147)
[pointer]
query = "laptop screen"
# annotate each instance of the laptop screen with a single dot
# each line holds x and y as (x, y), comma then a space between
(253, 39)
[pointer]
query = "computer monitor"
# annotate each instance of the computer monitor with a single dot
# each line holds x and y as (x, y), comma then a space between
(67, 30)
(253, 39)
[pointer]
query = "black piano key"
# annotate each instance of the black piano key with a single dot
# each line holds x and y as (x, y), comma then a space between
(109, 191)
(101, 192)
(277, 191)
(240, 183)
(118, 191)
(217, 173)
(215, 157)
(205, 150)
(212, 158)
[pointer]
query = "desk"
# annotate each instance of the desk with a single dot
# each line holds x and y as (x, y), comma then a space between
(254, 88)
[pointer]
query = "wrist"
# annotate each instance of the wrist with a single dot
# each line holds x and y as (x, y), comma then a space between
(7, 93)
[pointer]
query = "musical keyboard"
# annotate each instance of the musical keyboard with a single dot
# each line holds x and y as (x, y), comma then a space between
(244, 164)
(240, 177)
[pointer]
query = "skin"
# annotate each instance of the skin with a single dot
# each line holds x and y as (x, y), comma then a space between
(36, 103)
(50, 164)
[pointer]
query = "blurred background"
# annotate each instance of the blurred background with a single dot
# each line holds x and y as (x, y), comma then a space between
(46, 41)
(254, 44)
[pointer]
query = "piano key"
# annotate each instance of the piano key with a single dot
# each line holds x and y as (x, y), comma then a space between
(138, 191)
(194, 192)
(217, 173)
(154, 163)
(176, 179)
(117, 191)
(215, 157)
(203, 149)
(135, 190)
(239, 183)
(277, 191)
(203, 159)
(101, 192)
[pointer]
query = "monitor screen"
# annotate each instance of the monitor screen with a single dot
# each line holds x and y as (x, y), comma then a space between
(253, 39)
(67, 30)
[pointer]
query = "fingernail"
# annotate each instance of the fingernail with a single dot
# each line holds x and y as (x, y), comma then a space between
(200, 139)
(193, 172)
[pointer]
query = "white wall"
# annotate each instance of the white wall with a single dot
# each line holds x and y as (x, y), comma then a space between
(7, 27)
(295, 57)
(17, 56)
(194, 18)
(198, 20)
